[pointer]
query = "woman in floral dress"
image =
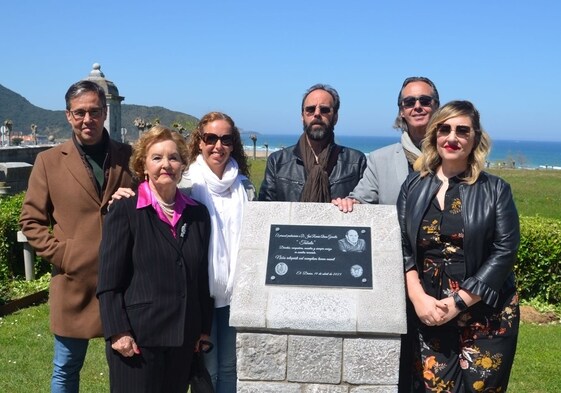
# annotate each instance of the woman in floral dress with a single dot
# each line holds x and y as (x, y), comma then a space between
(460, 234)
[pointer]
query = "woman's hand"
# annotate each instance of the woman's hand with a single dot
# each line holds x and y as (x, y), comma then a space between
(122, 192)
(124, 344)
(451, 310)
(430, 310)
(205, 347)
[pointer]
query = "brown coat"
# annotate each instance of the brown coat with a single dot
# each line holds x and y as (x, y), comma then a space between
(62, 216)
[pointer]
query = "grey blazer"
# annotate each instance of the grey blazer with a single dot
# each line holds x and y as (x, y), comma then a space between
(386, 170)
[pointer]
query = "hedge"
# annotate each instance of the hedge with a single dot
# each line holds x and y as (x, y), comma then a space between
(538, 268)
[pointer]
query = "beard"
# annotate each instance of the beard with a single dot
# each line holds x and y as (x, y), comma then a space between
(317, 130)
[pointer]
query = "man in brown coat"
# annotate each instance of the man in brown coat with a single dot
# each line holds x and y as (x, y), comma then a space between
(67, 197)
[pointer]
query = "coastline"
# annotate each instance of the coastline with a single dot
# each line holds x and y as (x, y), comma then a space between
(261, 153)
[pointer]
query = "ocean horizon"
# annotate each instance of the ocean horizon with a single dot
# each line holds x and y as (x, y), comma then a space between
(507, 153)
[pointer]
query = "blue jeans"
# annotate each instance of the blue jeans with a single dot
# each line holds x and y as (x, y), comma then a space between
(221, 361)
(68, 361)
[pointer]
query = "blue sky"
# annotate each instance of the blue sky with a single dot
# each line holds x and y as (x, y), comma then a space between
(254, 59)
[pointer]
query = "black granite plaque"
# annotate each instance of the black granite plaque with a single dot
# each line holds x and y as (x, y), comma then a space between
(326, 256)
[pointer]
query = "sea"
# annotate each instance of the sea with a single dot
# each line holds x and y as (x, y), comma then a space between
(504, 153)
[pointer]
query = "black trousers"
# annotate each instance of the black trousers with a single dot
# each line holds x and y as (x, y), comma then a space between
(154, 370)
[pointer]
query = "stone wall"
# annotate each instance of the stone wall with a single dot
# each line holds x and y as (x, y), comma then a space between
(296, 363)
(22, 153)
(14, 177)
(16, 163)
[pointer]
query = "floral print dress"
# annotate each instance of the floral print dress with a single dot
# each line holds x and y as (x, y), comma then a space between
(475, 351)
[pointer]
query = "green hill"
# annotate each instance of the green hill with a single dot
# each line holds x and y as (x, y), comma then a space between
(23, 113)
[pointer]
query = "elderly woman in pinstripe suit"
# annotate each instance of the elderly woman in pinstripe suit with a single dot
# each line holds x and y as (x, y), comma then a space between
(153, 280)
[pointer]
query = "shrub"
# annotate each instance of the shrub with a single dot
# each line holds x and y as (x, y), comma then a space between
(538, 269)
(11, 252)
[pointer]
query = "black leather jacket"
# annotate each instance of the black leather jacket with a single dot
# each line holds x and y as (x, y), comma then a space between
(285, 174)
(491, 231)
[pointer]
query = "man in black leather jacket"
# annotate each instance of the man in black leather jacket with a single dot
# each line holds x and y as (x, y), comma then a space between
(315, 169)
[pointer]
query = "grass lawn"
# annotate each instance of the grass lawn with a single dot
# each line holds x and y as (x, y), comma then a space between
(26, 348)
(536, 192)
(26, 351)
(537, 366)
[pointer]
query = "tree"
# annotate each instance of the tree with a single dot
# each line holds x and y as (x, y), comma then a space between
(253, 138)
(34, 133)
(140, 124)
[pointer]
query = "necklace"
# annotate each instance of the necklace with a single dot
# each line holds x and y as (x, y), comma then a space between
(167, 208)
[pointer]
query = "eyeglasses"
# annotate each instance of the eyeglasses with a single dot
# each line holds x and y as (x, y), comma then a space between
(94, 113)
(460, 131)
(409, 102)
(311, 109)
(212, 139)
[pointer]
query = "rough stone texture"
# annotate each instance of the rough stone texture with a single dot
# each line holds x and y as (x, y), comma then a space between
(325, 389)
(268, 387)
(261, 356)
(314, 359)
(15, 175)
(323, 310)
(250, 291)
(371, 361)
(22, 153)
(374, 389)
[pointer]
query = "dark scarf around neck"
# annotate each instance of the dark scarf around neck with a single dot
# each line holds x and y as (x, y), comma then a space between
(318, 168)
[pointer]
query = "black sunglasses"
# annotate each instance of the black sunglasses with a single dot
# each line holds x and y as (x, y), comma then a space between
(211, 139)
(409, 102)
(311, 109)
(460, 131)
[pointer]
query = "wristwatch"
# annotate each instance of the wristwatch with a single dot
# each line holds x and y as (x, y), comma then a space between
(460, 304)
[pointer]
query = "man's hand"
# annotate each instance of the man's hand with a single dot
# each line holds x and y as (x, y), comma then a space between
(122, 192)
(345, 204)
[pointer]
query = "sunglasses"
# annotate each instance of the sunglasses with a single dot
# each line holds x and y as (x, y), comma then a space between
(311, 109)
(460, 131)
(409, 102)
(212, 139)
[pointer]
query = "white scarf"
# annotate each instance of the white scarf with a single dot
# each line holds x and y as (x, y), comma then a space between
(408, 144)
(225, 234)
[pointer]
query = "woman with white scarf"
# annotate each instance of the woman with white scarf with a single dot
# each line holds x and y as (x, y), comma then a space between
(218, 177)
